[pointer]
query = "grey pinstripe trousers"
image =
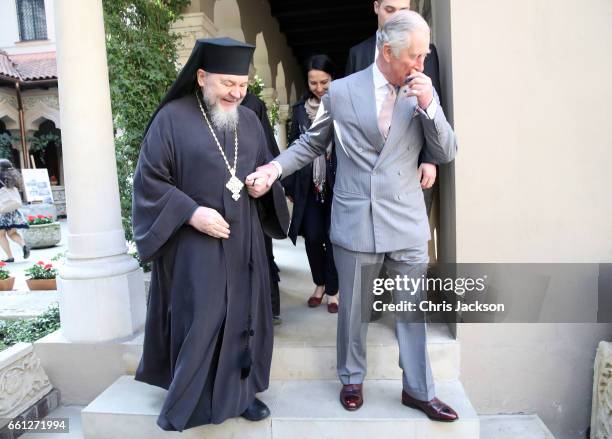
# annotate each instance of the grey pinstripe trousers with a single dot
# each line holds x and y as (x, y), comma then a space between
(357, 269)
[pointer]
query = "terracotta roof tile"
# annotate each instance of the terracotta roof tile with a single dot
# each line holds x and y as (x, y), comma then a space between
(35, 66)
(29, 67)
(7, 67)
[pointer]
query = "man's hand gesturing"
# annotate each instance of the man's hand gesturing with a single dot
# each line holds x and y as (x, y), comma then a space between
(209, 221)
(259, 182)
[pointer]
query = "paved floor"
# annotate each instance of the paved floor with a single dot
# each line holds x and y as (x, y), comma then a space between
(21, 302)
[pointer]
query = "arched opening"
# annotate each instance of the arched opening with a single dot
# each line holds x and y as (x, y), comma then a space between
(7, 140)
(45, 148)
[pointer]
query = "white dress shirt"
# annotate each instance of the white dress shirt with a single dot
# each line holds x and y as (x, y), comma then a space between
(381, 90)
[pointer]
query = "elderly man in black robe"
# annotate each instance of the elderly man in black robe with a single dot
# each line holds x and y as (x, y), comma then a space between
(208, 333)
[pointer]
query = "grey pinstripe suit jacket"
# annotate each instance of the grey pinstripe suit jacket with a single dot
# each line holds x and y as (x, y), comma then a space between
(378, 204)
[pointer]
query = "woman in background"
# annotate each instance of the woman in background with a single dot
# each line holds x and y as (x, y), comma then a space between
(310, 189)
(11, 221)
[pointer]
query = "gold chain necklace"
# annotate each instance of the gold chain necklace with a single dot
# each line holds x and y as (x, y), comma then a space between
(234, 185)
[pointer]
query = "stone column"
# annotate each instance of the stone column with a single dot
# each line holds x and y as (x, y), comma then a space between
(190, 27)
(101, 287)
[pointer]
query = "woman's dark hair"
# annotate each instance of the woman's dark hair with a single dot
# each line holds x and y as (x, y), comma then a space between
(9, 176)
(319, 62)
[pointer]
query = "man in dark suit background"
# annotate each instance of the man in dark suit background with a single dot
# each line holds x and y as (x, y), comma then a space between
(363, 54)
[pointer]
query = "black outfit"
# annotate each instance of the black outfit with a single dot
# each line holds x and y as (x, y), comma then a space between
(208, 332)
(362, 56)
(312, 213)
(259, 107)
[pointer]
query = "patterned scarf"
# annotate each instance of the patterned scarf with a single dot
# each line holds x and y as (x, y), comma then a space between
(319, 164)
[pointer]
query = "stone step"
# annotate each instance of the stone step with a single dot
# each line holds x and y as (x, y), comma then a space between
(513, 427)
(300, 409)
(305, 343)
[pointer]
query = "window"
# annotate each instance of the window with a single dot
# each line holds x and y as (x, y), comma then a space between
(32, 21)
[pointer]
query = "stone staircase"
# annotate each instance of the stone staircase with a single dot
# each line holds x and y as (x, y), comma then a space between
(304, 364)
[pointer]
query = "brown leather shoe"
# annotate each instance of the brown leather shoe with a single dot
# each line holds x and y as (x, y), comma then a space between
(351, 396)
(434, 409)
(314, 301)
(332, 308)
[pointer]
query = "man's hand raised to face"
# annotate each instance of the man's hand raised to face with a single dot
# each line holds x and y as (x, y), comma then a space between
(260, 181)
(421, 87)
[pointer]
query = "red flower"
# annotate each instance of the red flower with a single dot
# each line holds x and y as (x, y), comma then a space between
(2, 263)
(30, 218)
(40, 216)
(40, 263)
(50, 216)
(48, 267)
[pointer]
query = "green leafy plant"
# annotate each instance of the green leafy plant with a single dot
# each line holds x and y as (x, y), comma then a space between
(256, 87)
(29, 330)
(39, 220)
(59, 257)
(40, 270)
(4, 272)
(142, 64)
(273, 114)
(6, 146)
(37, 144)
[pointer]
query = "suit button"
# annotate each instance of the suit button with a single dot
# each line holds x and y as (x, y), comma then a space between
(360, 149)
(398, 197)
(400, 172)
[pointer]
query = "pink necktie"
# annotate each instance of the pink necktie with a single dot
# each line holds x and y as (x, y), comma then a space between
(386, 111)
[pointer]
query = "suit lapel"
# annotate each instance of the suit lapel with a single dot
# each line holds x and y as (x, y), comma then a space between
(403, 114)
(364, 105)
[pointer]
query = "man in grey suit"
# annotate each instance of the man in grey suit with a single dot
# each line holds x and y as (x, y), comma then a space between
(378, 212)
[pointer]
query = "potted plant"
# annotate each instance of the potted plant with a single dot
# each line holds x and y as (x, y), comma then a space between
(43, 232)
(6, 280)
(41, 276)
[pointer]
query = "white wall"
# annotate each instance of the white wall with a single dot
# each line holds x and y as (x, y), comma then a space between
(9, 30)
(531, 90)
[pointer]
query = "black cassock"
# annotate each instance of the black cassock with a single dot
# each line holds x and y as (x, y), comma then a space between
(205, 292)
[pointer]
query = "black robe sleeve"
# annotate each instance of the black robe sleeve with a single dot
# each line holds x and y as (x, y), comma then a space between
(272, 207)
(294, 132)
(159, 207)
(259, 108)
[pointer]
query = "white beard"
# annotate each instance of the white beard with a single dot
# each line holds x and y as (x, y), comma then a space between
(221, 119)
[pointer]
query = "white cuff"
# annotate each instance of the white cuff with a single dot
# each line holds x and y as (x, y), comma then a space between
(430, 112)
(278, 167)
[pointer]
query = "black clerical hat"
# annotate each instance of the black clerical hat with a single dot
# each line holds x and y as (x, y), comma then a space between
(214, 55)
(224, 55)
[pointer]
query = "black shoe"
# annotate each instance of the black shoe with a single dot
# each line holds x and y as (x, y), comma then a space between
(276, 320)
(26, 252)
(256, 411)
(9, 260)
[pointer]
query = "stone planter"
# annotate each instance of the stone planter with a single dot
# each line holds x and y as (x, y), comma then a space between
(42, 236)
(41, 284)
(7, 284)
